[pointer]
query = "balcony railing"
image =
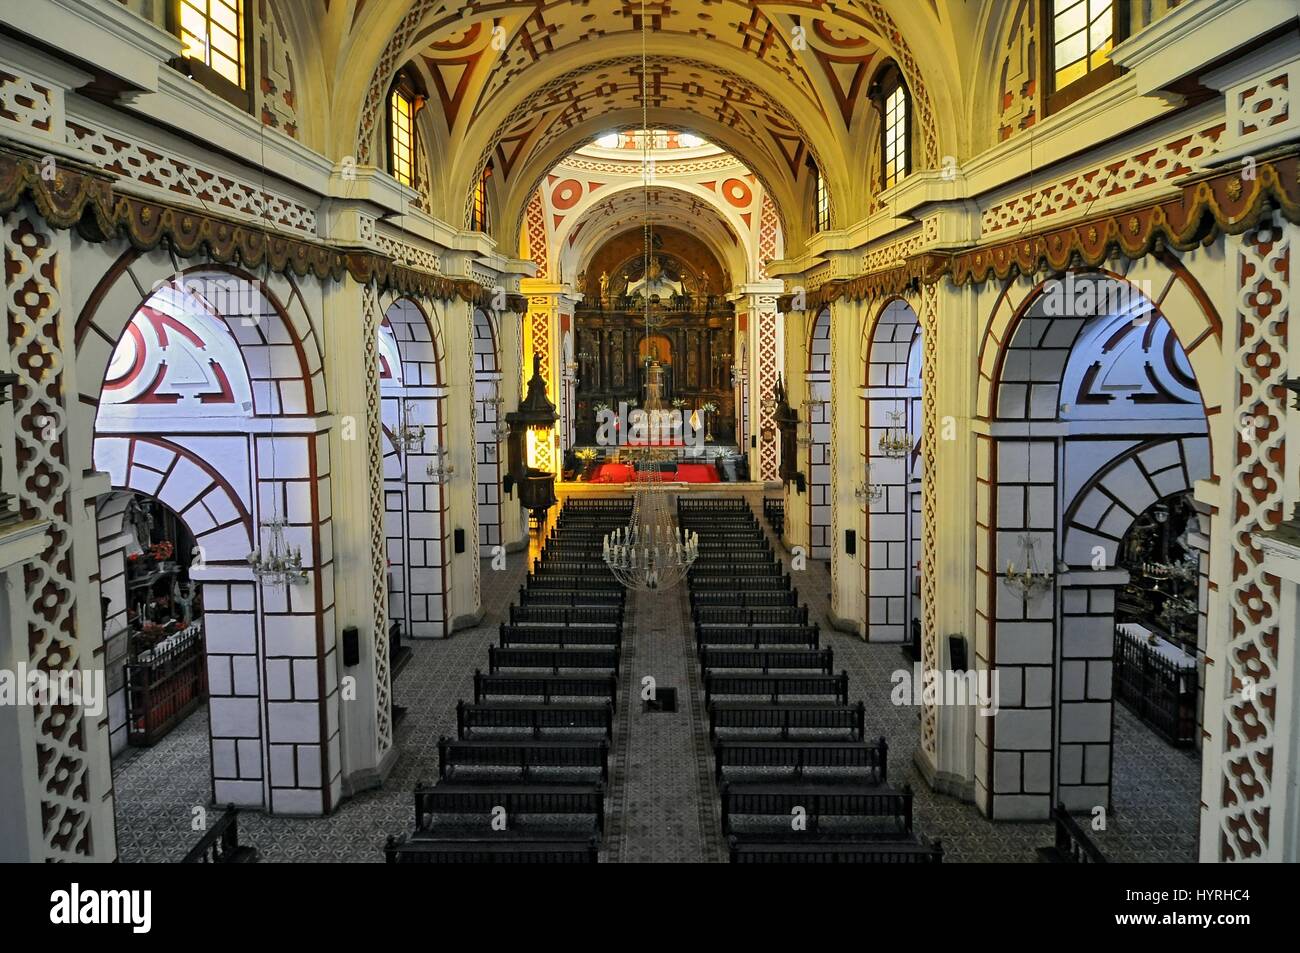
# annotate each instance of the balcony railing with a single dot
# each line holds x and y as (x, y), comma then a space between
(678, 304)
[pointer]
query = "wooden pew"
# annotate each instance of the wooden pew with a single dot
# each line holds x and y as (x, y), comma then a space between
(566, 615)
(758, 636)
(780, 722)
(745, 599)
(560, 635)
(777, 687)
(868, 762)
(717, 659)
(835, 852)
(457, 758)
(470, 802)
(545, 687)
(572, 598)
(749, 615)
(553, 660)
(856, 802)
(554, 849)
(532, 719)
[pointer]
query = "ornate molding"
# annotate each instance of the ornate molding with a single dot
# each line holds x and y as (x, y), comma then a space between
(1224, 202)
(84, 199)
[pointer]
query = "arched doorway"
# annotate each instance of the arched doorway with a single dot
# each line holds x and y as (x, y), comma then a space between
(1096, 416)
(891, 484)
(208, 406)
(817, 437)
(416, 499)
(487, 433)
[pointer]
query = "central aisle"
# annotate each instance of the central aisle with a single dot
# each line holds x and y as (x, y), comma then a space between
(662, 804)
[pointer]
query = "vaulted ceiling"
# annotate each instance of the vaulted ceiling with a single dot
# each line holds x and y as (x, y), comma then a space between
(522, 84)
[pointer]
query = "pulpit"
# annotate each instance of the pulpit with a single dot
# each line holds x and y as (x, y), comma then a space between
(536, 413)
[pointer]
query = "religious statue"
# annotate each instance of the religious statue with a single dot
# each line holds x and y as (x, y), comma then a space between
(655, 283)
(604, 286)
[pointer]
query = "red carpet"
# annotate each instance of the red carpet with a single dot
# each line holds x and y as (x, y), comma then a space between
(686, 473)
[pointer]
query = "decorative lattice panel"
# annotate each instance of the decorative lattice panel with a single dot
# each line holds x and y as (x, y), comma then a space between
(34, 309)
(372, 316)
(769, 364)
(535, 223)
(1262, 263)
(929, 500)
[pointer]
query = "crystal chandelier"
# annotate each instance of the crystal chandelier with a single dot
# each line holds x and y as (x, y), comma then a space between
(896, 441)
(408, 438)
(439, 470)
(1027, 580)
(280, 565)
(868, 491)
(651, 553)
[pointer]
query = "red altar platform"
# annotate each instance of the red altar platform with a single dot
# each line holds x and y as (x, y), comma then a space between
(686, 473)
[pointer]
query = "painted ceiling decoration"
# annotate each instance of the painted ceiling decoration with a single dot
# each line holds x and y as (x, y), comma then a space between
(523, 84)
(590, 196)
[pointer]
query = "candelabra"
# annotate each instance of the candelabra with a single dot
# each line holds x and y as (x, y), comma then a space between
(280, 565)
(869, 492)
(896, 441)
(439, 469)
(652, 552)
(1027, 580)
(408, 438)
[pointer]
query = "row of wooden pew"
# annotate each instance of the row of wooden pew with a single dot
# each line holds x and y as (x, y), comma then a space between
(774, 513)
(524, 779)
(798, 779)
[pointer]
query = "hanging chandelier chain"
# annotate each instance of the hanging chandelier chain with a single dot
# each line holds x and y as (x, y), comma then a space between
(652, 552)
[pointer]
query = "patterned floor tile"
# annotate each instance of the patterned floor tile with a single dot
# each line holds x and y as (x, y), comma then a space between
(664, 807)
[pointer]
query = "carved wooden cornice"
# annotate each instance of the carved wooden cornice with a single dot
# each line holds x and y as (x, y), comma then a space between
(1211, 204)
(1222, 202)
(84, 199)
(900, 279)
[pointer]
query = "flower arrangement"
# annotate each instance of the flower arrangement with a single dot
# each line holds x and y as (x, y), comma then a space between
(600, 407)
(162, 551)
(586, 454)
(709, 407)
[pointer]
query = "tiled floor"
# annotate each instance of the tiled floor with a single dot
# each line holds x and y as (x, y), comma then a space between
(663, 806)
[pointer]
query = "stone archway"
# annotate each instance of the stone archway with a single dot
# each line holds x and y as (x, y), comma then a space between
(817, 412)
(891, 555)
(413, 393)
(247, 423)
(487, 438)
(1031, 751)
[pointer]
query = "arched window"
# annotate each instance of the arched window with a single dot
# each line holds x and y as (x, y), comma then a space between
(481, 218)
(1080, 37)
(821, 199)
(889, 92)
(403, 104)
(214, 42)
